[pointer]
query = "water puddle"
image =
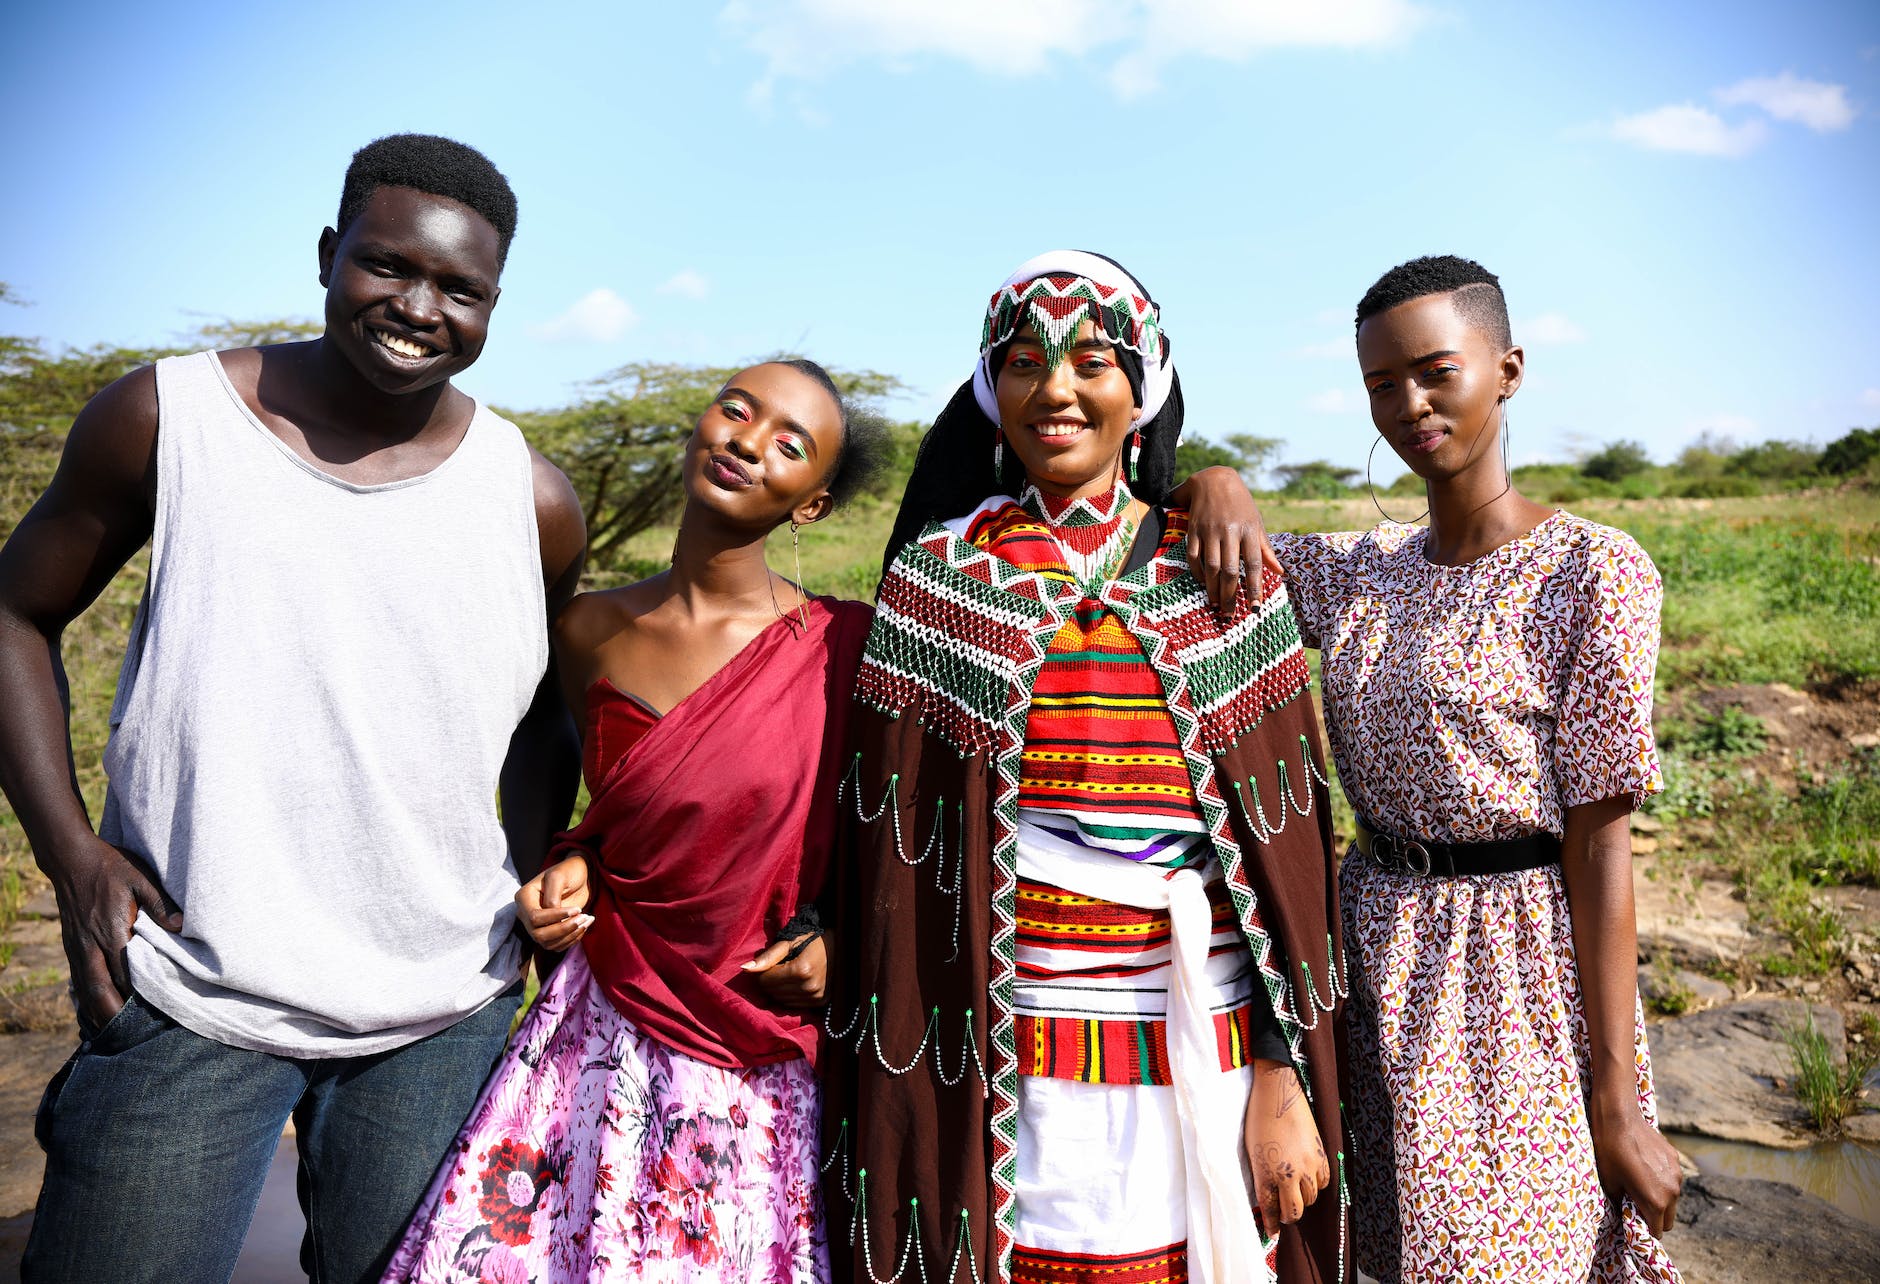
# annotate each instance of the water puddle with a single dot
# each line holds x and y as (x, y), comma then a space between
(1845, 1173)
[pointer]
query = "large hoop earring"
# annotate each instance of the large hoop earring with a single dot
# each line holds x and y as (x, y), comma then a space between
(1371, 486)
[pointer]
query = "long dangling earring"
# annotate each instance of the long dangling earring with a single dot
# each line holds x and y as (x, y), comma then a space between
(998, 456)
(1372, 487)
(1135, 455)
(796, 552)
(1507, 465)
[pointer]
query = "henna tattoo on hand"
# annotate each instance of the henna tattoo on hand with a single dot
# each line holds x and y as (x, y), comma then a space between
(1290, 1092)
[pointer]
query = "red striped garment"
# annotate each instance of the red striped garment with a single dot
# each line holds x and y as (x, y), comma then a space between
(1103, 768)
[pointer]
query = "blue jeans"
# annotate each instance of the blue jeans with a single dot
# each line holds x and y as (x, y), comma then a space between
(158, 1140)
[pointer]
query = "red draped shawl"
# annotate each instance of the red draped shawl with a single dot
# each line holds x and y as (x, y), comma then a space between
(711, 830)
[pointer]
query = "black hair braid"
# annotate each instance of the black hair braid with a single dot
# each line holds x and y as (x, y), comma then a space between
(952, 472)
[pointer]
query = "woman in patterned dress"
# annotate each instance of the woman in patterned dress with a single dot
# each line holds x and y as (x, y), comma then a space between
(1488, 693)
(1091, 907)
(656, 1115)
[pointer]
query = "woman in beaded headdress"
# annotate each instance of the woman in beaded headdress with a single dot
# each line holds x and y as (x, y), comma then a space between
(1090, 911)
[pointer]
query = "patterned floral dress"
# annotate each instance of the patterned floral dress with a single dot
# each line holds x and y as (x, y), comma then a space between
(597, 1152)
(1465, 704)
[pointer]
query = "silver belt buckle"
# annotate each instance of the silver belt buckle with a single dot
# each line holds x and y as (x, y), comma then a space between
(1400, 855)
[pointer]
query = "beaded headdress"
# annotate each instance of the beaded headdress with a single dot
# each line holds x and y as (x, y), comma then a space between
(1056, 292)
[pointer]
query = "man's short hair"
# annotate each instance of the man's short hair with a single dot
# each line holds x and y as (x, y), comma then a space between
(1478, 299)
(439, 166)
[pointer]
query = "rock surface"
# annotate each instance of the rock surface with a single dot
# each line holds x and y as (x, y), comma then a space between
(1725, 1073)
(27, 1064)
(1698, 927)
(1737, 1230)
(1661, 985)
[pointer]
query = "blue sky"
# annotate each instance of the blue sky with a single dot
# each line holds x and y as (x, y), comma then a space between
(1681, 198)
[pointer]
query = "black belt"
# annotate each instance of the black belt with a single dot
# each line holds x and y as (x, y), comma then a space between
(1421, 857)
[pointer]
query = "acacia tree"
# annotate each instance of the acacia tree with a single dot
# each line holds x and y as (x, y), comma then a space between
(42, 390)
(621, 447)
(1243, 452)
(1315, 479)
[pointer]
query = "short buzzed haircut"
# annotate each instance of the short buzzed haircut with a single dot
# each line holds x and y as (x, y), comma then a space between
(1477, 293)
(439, 166)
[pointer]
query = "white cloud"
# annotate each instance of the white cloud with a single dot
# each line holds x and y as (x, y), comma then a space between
(809, 39)
(687, 284)
(1334, 401)
(1331, 348)
(1235, 30)
(1686, 127)
(1814, 103)
(599, 316)
(1870, 397)
(1549, 327)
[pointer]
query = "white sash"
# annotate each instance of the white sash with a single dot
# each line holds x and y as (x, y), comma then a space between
(1224, 1245)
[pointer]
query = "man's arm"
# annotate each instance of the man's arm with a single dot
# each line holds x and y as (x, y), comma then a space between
(543, 769)
(92, 518)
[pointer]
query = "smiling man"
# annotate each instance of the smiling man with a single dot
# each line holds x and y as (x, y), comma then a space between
(297, 903)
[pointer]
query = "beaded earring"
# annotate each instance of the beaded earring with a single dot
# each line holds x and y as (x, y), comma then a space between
(998, 455)
(1135, 454)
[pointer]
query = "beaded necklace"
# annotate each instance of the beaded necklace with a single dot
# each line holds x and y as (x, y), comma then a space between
(1094, 534)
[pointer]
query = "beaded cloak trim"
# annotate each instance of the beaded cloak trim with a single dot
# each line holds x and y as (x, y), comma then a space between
(961, 635)
(1057, 303)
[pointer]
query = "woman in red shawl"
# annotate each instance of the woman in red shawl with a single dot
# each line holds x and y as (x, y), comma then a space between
(656, 1115)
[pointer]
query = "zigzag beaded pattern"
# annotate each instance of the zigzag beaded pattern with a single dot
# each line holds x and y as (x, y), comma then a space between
(952, 628)
(1055, 304)
(1238, 675)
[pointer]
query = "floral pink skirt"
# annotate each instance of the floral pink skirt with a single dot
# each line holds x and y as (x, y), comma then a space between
(1471, 1156)
(597, 1153)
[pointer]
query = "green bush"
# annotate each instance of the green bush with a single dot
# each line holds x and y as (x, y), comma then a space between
(1689, 788)
(1852, 453)
(1728, 733)
(1616, 462)
(1775, 460)
(1841, 818)
(1718, 486)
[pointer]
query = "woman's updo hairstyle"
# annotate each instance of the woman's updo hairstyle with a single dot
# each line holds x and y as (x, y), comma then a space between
(864, 447)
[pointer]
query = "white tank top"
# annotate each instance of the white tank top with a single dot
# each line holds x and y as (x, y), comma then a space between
(317, 698)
